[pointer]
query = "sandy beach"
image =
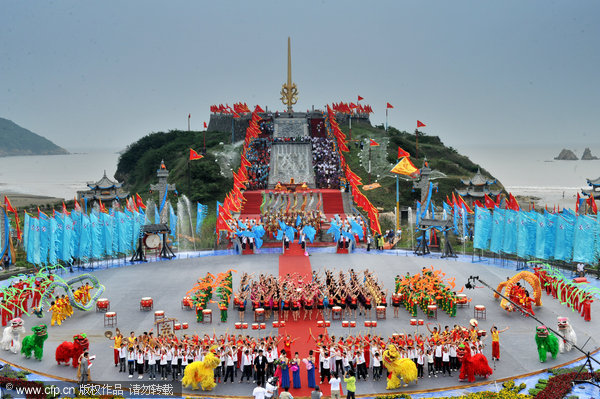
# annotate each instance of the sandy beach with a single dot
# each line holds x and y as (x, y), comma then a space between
(21, 201)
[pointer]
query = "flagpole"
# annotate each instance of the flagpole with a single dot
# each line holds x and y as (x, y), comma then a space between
(189, 117)
(386, 118)
(417, 142)
(370, 163)
(350, 124)
(189, 178)
(397, 203)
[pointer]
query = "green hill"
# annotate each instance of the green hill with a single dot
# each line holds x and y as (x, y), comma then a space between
(16, 140)
(210, 177)
(444, 159)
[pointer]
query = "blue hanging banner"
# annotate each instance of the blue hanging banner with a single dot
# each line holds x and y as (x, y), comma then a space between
(483, 228)
(497, 235)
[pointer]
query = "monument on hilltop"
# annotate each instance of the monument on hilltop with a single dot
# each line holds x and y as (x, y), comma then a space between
(163, 188)
(289, 91)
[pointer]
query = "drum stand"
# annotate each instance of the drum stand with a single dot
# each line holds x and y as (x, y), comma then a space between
(138, 255)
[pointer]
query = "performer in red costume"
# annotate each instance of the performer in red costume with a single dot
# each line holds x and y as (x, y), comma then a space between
(586, 308)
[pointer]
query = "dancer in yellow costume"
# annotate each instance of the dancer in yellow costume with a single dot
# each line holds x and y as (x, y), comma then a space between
(401, 369)
(202, 372)
(55, 309)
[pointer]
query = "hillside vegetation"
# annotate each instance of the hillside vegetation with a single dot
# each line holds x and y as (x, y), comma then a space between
(210, 180)
(444, 159)
(16, 140)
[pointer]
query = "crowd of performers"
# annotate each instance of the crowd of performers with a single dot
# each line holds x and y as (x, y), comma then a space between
(298, 218)
(289, 294)
(221, 286)
(567, 291)
(519, 295)
(22, 296)
(326, 161)
(434, 352)
(259, 156)
(424, 289)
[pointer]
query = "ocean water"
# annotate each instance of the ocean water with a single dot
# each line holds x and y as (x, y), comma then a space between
(527, 171)
(56, 175)
(532, 171)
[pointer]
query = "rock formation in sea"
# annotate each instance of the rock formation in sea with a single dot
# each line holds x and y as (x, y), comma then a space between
(566, 155)
(587, 155)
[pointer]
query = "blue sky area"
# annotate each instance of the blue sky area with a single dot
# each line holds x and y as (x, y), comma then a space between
(106, 73)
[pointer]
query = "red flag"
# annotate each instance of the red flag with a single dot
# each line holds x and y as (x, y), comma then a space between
(577, 203)
(104, 210)
(489, 203)
(593, 204)
(420, 124)
(360, 98)
(352, 105)
(195, 155)
(258, 109)
(389, 105)
(477, 203)
(373, 143)
(139, 202)
(77, 206)
(205, 125)
(235, 114)
(402, 153)
(8, 205)
(512, 202)
(64, 209)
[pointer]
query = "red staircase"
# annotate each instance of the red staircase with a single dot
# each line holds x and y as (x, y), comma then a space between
(332, 202)
(295, 249)
(253, 202)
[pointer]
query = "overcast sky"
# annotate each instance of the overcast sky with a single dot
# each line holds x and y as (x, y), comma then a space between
(106, 73)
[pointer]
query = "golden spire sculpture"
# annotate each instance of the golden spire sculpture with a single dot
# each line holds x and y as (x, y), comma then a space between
(289, 91)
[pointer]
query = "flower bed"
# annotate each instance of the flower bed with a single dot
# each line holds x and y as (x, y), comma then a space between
(509, 391)
(560, 385)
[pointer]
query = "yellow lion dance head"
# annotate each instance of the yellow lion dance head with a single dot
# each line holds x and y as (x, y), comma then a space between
(401, 369)
(202, 372)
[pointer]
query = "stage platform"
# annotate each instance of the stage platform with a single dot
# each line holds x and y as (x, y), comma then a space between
(166, 282)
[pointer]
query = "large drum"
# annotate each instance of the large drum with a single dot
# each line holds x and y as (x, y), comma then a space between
(255, 326)
(373, 323)
(421, 322)
(238, 326)
(263, 326)
(320, 323)
(345, 323)
(413, 322)
(244, 326)
(352, 324)
(327, 323)
(177, 326)
(275, 324)
(146, 303)
(367, 323)
(185, 326)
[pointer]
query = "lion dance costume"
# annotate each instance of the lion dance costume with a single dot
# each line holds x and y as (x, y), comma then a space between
(564, 327)
(13, 335)
(202, 372)
(35, 342)
(70, 351)
(546, 342)
(400, 369)
(472, 365)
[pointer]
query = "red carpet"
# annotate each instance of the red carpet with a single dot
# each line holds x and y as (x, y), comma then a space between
(294, 261)
(332, 202)
(252, 204)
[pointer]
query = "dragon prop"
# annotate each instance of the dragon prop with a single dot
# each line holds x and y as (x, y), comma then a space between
(508, 285)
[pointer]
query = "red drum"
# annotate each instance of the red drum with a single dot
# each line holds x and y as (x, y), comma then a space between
(352, 324)
(244, 326)
(373, 323)
(327, 323)
(185, 326)
(421, 322)
(275, 324)
(395, 335)
(206, 311)
(255, 326)
(238, 326)
(177, 326)
(481, 333)
(413, 322)
(146, 303)
(102, 303)
(345, 323)
(259, 311)
(263, 326)
(282, 323)
(320, 323)
(367, 323)
(186, 302)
